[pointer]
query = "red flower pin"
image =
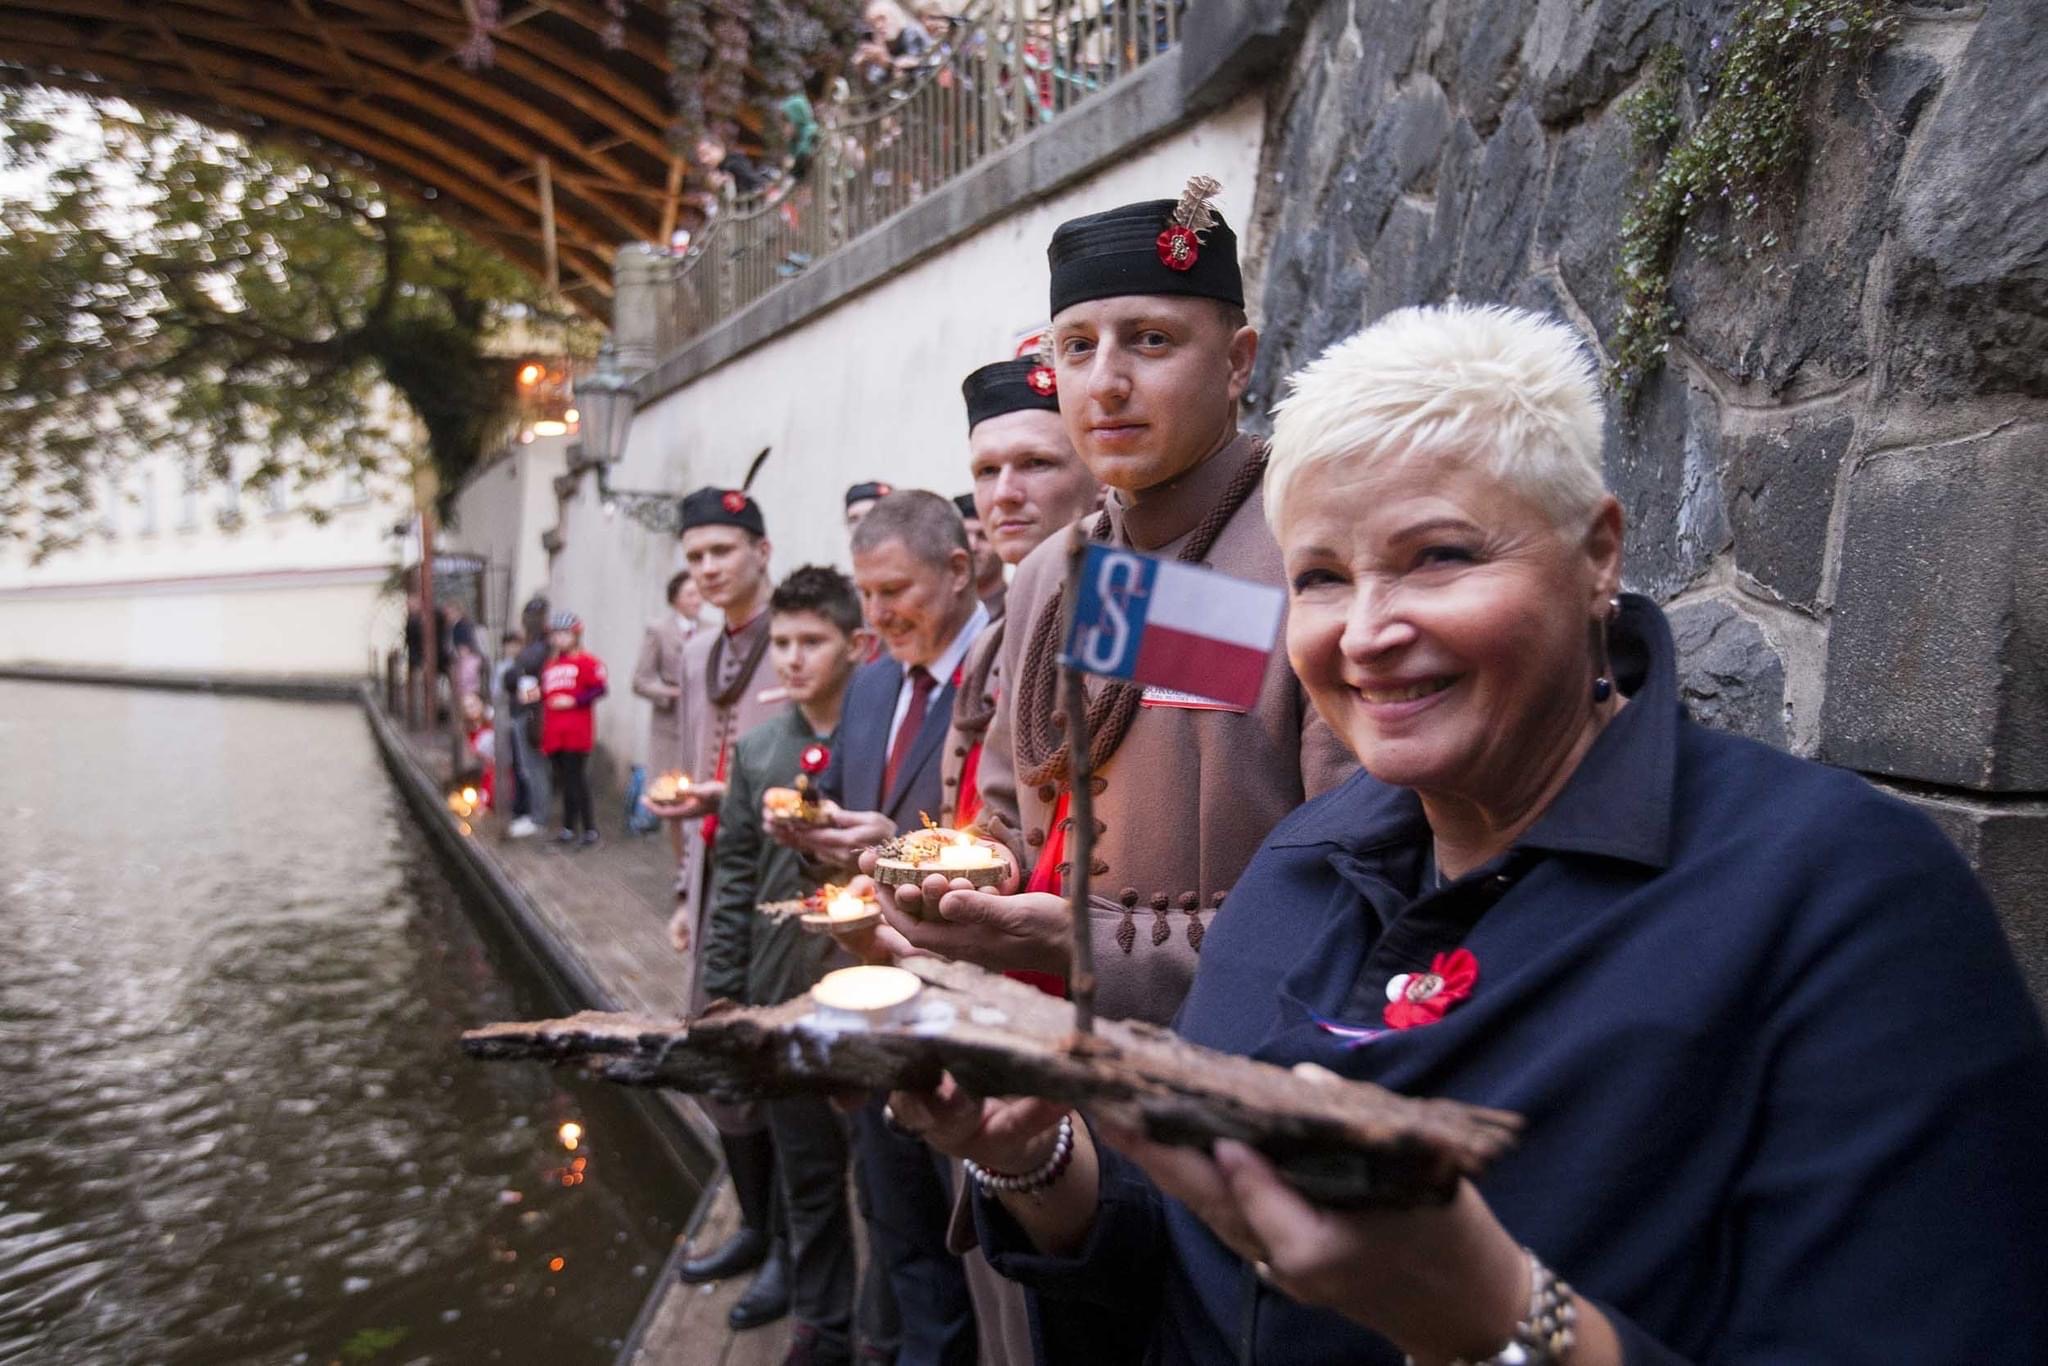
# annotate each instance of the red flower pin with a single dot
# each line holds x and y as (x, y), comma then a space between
(815, 760)
(735, 502)
(1420, 998)
(1042, 380)
(1179, 248)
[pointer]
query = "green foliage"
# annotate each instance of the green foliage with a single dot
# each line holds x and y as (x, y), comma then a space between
(168, 288)
(1748, 137)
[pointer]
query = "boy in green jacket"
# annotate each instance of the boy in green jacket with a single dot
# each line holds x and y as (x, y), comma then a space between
(815, 641)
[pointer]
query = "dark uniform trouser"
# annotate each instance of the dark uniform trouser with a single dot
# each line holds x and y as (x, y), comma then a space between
(811, 1152)
(910, 1198)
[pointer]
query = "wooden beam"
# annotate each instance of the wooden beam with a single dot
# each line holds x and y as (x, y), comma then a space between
(671, 196)
(230, 24)
(549, 256)
(269, 47)
(334, 49)
(443, 169)
(578, 82)
(517, 245)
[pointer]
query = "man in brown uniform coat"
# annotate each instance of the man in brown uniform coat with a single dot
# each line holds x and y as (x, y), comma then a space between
(1151, 360)
(1028, 484)
(727, 689)
(1151, 356)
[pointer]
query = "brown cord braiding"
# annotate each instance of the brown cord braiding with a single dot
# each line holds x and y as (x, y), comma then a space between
(1041, 743)
(973, 708)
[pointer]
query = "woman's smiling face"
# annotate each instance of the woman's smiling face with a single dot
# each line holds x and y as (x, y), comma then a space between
(1441, 621)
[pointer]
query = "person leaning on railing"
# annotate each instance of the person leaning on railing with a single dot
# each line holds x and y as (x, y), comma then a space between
(1784, 1090)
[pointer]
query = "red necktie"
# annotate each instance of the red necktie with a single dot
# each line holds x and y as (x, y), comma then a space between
(921, 683)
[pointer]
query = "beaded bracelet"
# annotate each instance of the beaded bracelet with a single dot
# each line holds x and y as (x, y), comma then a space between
(1031, 1182)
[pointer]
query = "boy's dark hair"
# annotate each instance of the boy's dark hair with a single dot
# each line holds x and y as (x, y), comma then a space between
(820, 589)
(676, 581)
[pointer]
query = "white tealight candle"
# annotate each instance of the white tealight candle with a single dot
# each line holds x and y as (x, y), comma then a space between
(847, 906)
(963, 852)
(865, 993)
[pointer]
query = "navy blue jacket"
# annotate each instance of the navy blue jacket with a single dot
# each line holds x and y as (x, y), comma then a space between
(1786, 1097)
(854, 779)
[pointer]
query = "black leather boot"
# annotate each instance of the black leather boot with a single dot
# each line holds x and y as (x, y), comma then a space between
(750, 1163)
(767, 1298)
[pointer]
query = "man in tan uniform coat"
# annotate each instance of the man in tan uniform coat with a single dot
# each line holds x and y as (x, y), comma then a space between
(1185, 789)
(727, 687)
(1028, 484)
(1151, 361)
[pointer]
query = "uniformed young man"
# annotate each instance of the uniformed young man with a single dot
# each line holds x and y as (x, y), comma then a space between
(1028, 484)
(991, 581)
(1151, 356)
(727, 689)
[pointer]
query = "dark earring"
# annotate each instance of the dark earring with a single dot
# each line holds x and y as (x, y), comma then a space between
(1603, 686)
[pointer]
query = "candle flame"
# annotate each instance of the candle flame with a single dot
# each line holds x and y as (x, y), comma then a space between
(571, 1134)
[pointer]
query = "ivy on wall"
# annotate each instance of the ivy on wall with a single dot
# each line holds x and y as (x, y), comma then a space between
(1748, 135)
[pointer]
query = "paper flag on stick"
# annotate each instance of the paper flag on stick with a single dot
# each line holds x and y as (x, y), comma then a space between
(1172, 625)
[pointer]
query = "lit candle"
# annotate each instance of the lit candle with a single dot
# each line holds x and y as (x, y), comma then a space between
(963, 851)
(867, 992)
(847, 906)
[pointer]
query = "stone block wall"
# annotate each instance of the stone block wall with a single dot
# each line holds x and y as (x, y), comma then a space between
(1838, 484)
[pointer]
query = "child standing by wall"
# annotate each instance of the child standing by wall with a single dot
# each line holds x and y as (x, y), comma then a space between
(570, 685)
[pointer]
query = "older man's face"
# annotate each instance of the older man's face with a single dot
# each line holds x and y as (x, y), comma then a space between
(1028, 482)
(915, 607)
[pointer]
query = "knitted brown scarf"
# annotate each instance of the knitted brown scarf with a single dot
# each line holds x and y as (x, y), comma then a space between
(1041, 742)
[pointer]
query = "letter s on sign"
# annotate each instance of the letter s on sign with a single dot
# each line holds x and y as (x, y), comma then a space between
(1104, 647)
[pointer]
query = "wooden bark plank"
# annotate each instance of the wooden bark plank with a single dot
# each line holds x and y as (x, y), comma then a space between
(1345, 1144)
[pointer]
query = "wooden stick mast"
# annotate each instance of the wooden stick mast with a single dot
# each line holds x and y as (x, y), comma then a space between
(1080, 803)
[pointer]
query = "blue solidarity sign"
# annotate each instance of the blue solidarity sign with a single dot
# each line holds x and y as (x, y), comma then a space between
(1109, 611)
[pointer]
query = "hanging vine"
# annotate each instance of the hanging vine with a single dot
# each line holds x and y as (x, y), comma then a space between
(1747, 136)
(716, 47)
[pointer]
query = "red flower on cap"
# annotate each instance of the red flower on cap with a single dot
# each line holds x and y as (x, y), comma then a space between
(1420, 998)
(735, 502)
(814, 760)
(1179, 248)
(886, 489)
(1042, 380)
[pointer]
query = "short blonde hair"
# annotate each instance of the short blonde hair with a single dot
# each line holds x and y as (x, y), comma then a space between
(1502, 389)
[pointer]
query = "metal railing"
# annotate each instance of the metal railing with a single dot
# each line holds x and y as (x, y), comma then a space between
(990, 75)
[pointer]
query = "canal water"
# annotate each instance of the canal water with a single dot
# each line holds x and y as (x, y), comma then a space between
(235, 1125)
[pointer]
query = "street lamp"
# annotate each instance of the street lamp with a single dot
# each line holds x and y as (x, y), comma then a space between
(604, 405)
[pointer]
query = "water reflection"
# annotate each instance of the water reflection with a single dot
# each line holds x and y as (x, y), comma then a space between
(235, 1124)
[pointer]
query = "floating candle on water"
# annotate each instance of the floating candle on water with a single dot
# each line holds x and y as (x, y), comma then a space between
(866, 993)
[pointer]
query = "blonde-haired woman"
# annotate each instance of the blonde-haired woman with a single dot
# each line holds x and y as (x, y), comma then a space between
(1785, 1091)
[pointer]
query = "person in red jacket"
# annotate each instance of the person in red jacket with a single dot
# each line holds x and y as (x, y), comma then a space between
(570, 685)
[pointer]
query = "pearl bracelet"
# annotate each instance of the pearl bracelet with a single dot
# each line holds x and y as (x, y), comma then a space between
(1544, 1337)
(1031, 1182)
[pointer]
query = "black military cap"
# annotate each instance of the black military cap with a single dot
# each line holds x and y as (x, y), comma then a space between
(965, 502)
(867, 492)
(723, 507)
(1158, 246)
(1009, 386)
